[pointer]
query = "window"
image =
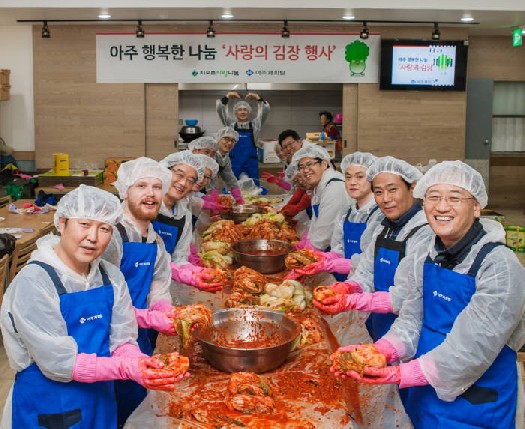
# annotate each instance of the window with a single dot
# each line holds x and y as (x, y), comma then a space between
(508, 117)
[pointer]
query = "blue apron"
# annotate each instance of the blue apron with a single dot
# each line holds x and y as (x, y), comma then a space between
(315, 207)
(41, 402)
(491, 401)
(137, 265)
(170, 230)
(243, 156)
(352, 232)
(388, 255)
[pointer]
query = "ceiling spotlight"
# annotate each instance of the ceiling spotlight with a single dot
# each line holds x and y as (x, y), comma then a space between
(210, 32)
(285, 33)
(364, 32)
(436, 34)
(104, 14)
(227, 14)
(45, 31)
(139, 32)
(467, 18)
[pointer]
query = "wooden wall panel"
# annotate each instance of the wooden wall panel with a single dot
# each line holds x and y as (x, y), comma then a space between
(74, 114)
(495, 58)
(412, 125)
(350, 118)
(162, 112)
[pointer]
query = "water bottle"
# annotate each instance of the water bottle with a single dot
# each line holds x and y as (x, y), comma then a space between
(321, 136)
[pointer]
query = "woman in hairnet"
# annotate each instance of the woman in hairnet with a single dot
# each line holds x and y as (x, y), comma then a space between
(205, 145)
(328, 195)
(464, 322)
(68, 324)
(199, 199)
(356, 224)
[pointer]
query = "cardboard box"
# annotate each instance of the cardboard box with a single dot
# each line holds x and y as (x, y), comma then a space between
(61, 164)
(267, 153)
(111, 168)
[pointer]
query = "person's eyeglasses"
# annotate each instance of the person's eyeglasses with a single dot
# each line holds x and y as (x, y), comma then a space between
(229, 140)
(302, 167)
(179, 177)
(207, 177)
(451, 200)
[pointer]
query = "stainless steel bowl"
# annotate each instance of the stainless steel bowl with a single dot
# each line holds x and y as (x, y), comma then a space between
(265, 256)
(248, 339)
(239, 213)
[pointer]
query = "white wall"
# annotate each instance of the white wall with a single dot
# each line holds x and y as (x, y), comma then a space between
(17, 124)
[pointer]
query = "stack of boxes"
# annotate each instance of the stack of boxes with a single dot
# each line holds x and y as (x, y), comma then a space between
(4, 85)
(111, 167)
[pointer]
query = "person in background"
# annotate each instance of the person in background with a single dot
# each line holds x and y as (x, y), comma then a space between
(199, 200)
(403, 229)
(464, 321)
(140, 253)
(328, 195)
(226, 139)
(356, 224)
(205, 145)
(244, 156)
(331, 132)
(300, 199)
(65, 369)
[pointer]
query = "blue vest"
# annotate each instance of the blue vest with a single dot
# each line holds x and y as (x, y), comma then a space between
(388, 255)
(243, 156)
(352, 232)
(41, 402)
(170, 230)
(137, 265)
(491, 401)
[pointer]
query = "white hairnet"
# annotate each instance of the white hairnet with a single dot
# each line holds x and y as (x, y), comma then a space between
(131, 171)
(313, 151)
(290, 171)
(208, 162)
(241, 104)
(185, 157)
(203, 143)
(389, 164)
(364, 159)
(455, 173)
(227, 132)
(88, 202)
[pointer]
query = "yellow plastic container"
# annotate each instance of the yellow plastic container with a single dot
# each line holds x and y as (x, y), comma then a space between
(61, 164)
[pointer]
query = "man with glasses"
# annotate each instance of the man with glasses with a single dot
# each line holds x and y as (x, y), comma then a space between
(464, 320)
(328, 194)
(244, 155)
(206, 145)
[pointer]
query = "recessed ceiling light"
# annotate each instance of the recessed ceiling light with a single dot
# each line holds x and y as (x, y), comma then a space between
(227, 14)
(104, 14)
(467, 18)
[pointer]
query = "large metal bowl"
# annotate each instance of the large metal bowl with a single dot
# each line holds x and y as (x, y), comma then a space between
(248, 339)
(239, 213)
(264, 256)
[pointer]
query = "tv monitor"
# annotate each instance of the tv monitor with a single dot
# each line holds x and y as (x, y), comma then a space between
(423, 65)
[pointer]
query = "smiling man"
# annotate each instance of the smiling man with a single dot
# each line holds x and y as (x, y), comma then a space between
(465, 320)
(143, 260)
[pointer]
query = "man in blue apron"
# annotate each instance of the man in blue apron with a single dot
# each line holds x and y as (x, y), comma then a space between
(464, 322)
(77, 332)
(143, 260)
(244, 155)
(403, 229)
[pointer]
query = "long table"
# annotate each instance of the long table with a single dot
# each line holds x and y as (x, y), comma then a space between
(32, 224)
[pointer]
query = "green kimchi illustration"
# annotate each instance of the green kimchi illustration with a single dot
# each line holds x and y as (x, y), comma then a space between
(356, 54)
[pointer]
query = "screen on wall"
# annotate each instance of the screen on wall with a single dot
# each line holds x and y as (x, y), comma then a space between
(423, 65)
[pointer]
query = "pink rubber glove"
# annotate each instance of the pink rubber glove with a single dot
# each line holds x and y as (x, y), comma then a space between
(386, 348)
(89, 368)
(330, 263)
(214, 193)
(346, 287)
(308, 270)
(158, 320)
(305, 243)
(199, 277)
(127, 350)
(237, 196)
(161, 305)
(276, 180)
(406, 375)
(376, 302)
(194, 257)
(340, 302)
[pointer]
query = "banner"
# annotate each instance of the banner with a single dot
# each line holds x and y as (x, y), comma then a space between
(237, 58)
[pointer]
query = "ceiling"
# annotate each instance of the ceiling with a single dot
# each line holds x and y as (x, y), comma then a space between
(492, 18)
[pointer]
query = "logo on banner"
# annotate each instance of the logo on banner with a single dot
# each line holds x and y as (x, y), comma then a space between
(356, 54)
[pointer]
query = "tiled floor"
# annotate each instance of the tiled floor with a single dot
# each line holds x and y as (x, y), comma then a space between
(512, 217)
